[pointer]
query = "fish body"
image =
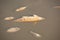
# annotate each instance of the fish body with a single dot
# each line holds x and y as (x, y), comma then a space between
(35, 34)
(21, 9)
(9, 18)
(33, 18)
(15, 29)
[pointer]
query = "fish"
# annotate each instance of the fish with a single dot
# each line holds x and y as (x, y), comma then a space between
(34, 18)
(13, 29)
(35, 34)
(21, 9)
(8, 18)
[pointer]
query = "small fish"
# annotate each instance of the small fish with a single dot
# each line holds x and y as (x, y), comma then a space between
(21, 9)
(35, 34)
(14, 29)
(8, 18)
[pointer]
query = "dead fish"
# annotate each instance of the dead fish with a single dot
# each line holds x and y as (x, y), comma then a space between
(8, 18)
(35, 34)
(14, 29)
(34, 18)
(21, 9)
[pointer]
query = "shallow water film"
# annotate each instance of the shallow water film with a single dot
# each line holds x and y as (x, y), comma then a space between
(29, 19)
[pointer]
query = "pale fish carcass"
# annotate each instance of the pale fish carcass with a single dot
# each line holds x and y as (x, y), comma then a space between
(35, 34)
(33, 18)
(21, 9)
(13, 29)
(9, 18)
